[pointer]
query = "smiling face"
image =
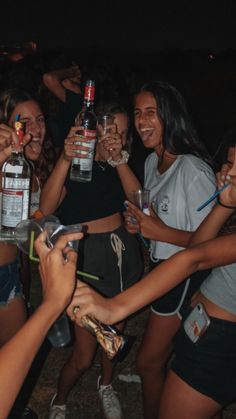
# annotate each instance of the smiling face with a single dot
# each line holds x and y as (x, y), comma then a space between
(147, 121)
(31, 113)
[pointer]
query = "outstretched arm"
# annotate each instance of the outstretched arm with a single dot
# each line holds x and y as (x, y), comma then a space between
(160, 280)
(58, 282)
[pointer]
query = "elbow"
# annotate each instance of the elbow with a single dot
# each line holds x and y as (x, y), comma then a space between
(48, 80)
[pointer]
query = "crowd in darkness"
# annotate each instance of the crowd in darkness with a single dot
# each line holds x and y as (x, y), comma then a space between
(206, 79)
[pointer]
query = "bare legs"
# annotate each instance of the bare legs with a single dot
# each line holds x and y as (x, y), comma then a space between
(180, 401)
(12, 317)
(154, 352)
(80, 360)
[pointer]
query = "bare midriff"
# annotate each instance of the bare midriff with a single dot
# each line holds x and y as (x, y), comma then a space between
(106, 224)
(211, 308)
(8, 253)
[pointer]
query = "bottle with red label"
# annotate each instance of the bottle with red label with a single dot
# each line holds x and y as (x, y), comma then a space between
(81, 167)
(16, 174)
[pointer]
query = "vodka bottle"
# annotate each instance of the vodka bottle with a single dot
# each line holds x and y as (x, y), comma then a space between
(81, 168)
(16, 175)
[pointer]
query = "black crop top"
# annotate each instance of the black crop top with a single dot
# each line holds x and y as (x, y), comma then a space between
(101, 197)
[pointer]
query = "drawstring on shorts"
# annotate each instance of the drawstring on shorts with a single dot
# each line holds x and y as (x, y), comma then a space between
(118, 246)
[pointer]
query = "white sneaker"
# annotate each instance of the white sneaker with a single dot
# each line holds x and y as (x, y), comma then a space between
(57, 411)
(110, 402)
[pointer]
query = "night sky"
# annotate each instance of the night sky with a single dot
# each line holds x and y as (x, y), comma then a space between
(126, 25)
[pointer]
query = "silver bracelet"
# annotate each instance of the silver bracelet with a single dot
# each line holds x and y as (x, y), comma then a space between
(124, 159)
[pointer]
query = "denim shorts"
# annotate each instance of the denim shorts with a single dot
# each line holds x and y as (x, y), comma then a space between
(10, 284)
(209, 365)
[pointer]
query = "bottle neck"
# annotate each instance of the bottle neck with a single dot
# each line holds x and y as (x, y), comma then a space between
(89, 94)
(88, 105)
(17, 151)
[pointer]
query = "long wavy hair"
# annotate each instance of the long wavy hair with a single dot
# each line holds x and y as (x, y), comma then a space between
(179, 133)
(9, 99)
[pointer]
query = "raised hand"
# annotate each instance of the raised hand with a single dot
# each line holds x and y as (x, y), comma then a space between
(57, 268)
(227, 175)
(150, 226)
(8, 141)
(73, 145)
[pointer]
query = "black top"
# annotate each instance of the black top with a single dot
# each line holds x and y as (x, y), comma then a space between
(65, 118)
(101, 197)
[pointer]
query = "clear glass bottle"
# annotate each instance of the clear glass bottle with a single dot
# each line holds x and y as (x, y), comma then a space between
(16, 174)
(81, 168)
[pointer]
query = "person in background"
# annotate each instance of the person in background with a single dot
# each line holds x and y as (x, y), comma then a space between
(64, 87)
(180, 178)
(107, 251)
(15, 268)
(202, 375)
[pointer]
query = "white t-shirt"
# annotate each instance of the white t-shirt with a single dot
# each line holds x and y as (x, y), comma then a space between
(176, 194)
(220, 287)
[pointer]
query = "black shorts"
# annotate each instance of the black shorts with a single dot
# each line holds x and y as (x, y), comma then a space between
(209, 365)
(115, 257)
(175, 299)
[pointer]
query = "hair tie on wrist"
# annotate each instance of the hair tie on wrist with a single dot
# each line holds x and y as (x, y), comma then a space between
(225, 206)
(123, 160)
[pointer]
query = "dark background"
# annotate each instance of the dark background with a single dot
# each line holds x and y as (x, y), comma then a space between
(189, 43)
(144, 26)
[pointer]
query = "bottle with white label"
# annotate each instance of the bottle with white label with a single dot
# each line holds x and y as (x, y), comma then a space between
(81, 168)
(16, 174)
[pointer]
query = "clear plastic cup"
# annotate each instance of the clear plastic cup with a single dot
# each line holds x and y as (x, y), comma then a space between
(59, 334)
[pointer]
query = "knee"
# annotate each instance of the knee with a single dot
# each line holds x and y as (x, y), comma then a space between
(149, 365)
(80, 362)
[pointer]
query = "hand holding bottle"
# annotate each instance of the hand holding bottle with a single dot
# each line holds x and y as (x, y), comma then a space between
(73, 148)
(8, 141)
(16, 173)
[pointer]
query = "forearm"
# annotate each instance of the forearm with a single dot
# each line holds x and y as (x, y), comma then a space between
(128, 179)
(53, 81)
(172, 235)
(58, 75)
(17, 355)
(53, 190)
(170, 273)
(211, 225)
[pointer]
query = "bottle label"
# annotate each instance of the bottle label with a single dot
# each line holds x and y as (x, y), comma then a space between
(9, 168)
(90, 134)
(15, 201)
(89, 92)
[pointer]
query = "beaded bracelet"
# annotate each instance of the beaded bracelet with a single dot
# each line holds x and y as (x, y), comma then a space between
(225, 206)
(124, 159)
